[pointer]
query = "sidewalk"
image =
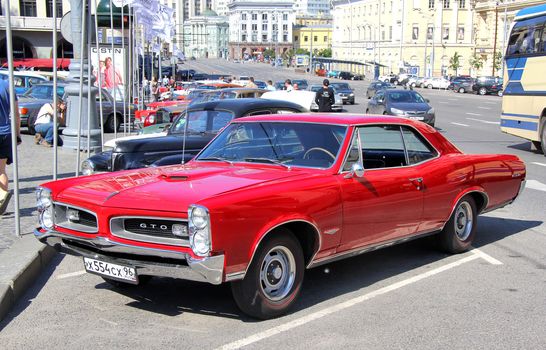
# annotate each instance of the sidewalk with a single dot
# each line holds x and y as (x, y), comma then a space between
(22, 259)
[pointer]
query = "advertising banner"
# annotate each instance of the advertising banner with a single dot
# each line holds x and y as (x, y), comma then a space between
(113, 78)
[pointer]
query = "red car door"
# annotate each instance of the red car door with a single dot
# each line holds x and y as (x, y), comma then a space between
(387, 202)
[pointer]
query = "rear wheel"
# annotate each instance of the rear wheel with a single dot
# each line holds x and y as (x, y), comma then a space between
(274, 278)
(429, 86)
(499, 93)
(459, 231)
(110, 126)
(461, 90)
(543, 135)
(482, 91)
(412, 85)
(31, 121)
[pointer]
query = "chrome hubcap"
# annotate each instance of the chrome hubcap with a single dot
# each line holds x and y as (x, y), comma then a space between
(277, 273)
(463, 221)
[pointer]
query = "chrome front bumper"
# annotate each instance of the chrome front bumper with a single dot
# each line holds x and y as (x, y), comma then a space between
(146, 261)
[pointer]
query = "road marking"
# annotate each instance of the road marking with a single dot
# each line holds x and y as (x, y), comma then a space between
(535, 185)
(490, 103)
(349, 303)
(460, 124)
(484, 121)
(453, 99)
(486, 257)
(71, 274)
(537, 163)
(476, 114)
(484, 107)
(443, 102)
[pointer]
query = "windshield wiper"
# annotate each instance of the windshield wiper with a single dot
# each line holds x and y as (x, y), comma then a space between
(268, 160)
(220, 159)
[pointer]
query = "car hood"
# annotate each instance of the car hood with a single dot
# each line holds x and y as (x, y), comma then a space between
(410, 106)
(159, 143)
(172, 188)
(344, 91)
(29, 101)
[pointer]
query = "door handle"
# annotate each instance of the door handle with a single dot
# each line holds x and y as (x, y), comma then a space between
(417, 182)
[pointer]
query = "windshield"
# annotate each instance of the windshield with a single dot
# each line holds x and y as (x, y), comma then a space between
(343, 86)
(286, 144)
(43, 92)
(202, 121)
(405, 97)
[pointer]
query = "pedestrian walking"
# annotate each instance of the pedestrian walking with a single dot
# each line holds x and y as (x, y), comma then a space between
(6, 152)
(44, 124)
(269, 86)
(325, 98)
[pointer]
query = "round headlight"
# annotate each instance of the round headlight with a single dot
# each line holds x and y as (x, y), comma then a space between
(199, 217)
(43, 198)
(87, 167)
(46, 218)
(200, 243)
(430, 111)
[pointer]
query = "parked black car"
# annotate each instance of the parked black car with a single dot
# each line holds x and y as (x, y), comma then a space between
(204, 121)
(402, 103)
(461, 84)
(376, 86)
(488, 85)
(349, 76)
(345, 91)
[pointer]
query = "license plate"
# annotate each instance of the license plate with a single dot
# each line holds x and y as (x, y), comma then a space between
(417, 118)
(120, 272)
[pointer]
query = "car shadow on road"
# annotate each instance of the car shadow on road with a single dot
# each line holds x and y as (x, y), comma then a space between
(525, 146)
(171, 297)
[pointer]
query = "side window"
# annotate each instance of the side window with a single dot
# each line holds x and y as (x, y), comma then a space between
(526, 37)
(286, 111)
(197, 121)
(353, 155)
(380, 95)
(18, 81)
(261, 112)
(220, 119)
(32, 81)
(382, 146)
(417, 147)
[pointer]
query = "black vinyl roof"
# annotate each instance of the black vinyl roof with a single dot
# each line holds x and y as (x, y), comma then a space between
(240, 106)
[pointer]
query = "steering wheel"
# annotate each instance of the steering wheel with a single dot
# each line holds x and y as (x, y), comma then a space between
(314, 149)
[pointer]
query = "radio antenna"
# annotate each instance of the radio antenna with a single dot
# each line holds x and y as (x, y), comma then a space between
(185, 134)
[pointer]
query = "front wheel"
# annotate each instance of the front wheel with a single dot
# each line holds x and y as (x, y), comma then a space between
(459, 231)
(499, 93)
(110, 124)
(482, 91)
(429, 86)
(461, 90)
(273, 281)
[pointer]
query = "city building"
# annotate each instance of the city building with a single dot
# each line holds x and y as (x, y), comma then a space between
(206, 36)
(258, 25)
(492, 24)
(419, 36)
(312, 7)
(31, 23)
(312, 38)
(304, 20)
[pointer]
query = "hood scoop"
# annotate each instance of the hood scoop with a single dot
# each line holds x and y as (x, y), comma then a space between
(174, 178)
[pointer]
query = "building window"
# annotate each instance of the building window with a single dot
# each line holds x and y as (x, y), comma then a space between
(243, 16)
(254, 38)
(264, 16)
(243, 37)
(306, 38)
(285, 17)
(27, 8)
(315, 38)
(431, 4)
(264, 37)
(49, 8)
(326, 38)
(430, 32)
(462, 4)
(254, 26)
(460, 33)
(243, 27)
(254, 16)
(285, 27)
(415, 32)
(446, 4)
(445, 33)
(382, 35)
(285, 38)
(296, 38)
(390, 32)
(264, 27)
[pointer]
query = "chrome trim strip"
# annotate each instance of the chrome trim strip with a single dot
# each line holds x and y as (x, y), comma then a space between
(365, 249)
(85, 229)
(118, 230)
(209, 269)
(331, 231)
(317, 231)
(235, 276)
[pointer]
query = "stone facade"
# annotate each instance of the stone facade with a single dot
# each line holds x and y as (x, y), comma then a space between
(313, 38)
(206, 36)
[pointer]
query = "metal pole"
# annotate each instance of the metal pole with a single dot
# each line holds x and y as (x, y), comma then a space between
(125, 87)
(14, 126)
(55, 97)
(99, 79)
(89, 81)
(115, 116)
(84, 3)
(402, 33)
(495, 40)
(504, 38)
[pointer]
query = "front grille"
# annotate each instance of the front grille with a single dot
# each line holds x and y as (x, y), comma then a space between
(416, 112)
(86, 221)
(150, 229)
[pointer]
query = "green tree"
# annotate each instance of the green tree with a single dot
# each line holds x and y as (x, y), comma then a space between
(455, 62)
(324, 53)
(301, 51)
(497, 61)
(476, 62)
(268, 53)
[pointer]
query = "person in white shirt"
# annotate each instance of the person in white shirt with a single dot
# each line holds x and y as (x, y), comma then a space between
(270, 86)
(288, 85)
(44, 124)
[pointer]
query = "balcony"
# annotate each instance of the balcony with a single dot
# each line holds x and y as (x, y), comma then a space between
(29, 23)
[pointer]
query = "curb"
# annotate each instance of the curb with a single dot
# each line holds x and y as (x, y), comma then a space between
(20, 266)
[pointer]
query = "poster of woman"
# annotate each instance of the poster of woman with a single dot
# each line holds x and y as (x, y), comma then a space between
(111, 76)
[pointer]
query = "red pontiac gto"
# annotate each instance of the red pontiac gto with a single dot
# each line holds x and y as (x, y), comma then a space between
(274, 195)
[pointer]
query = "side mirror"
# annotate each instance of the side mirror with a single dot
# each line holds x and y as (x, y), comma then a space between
(356, 171)
(380, 101)
(427, 100)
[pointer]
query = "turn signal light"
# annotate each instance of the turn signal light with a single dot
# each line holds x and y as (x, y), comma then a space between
(23, 110)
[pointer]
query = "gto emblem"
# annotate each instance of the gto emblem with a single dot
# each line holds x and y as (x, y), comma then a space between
(153, 226)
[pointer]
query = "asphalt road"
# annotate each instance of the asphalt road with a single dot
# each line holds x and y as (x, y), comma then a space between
(404, 297)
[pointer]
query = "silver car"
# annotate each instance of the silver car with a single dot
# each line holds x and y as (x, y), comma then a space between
(338, 105)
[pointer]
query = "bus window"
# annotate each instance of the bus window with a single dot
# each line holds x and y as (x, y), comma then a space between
(526, 37)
